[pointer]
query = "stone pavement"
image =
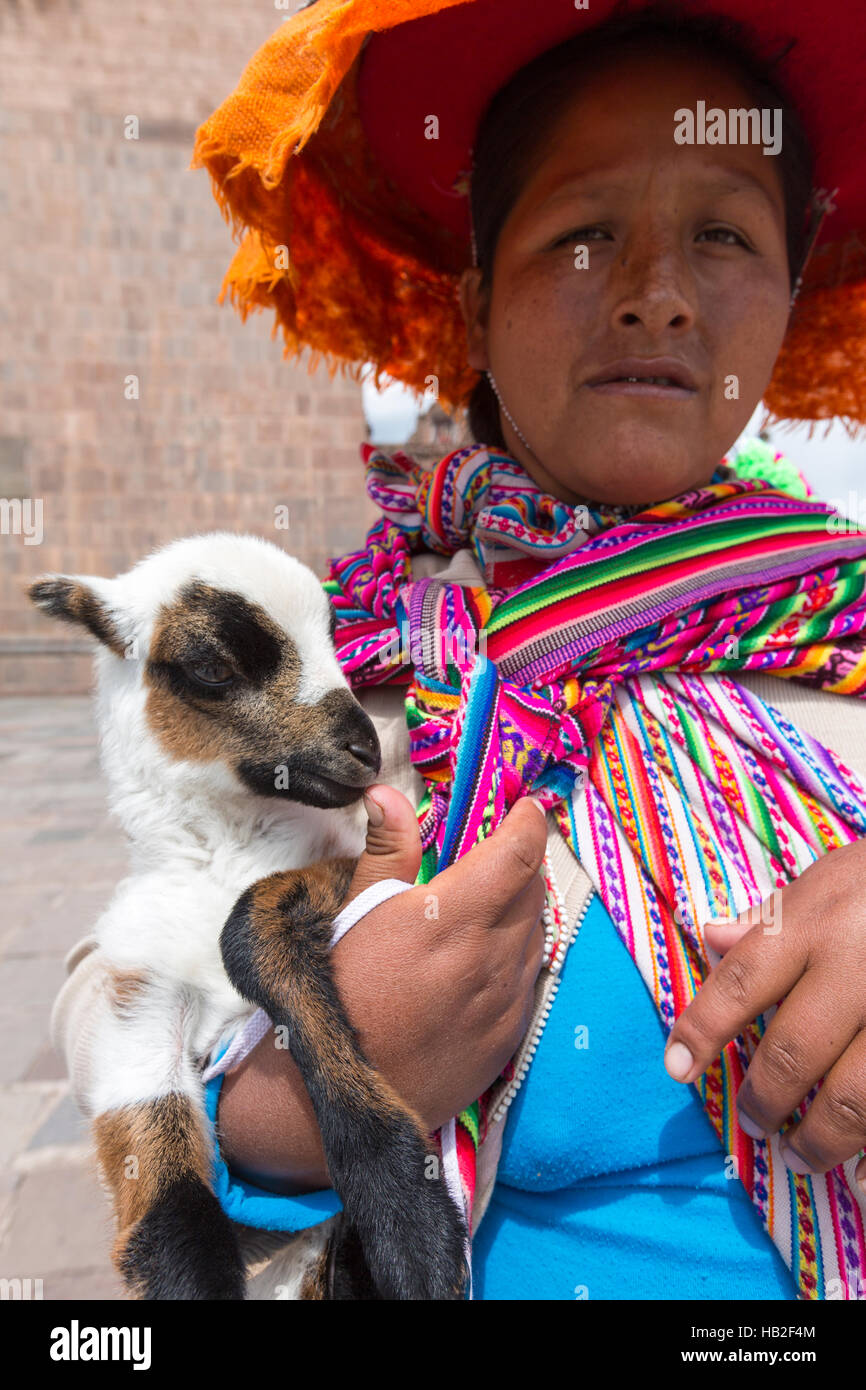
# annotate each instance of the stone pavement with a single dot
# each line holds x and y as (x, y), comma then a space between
(60, 857)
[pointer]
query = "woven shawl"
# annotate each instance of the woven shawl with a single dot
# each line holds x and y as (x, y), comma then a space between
(577, 673)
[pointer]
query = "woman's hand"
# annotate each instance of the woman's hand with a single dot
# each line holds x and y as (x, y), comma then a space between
(811, 953)
(438, 982)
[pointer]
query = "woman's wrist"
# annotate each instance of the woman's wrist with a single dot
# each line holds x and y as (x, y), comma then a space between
(268, 1129)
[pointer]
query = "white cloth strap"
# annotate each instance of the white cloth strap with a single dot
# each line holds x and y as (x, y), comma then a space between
(371, 897)
(241, 1045)
(258, 1024)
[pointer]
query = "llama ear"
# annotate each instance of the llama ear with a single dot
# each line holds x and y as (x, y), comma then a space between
(79, 600)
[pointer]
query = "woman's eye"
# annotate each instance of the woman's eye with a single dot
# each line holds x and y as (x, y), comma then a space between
(579, 235)
(211, 672)
(724, 236)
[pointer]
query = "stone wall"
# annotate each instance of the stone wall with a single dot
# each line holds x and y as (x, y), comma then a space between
(114, 253)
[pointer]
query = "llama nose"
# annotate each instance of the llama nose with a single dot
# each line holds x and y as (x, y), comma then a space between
(358, 736)
(366, 750)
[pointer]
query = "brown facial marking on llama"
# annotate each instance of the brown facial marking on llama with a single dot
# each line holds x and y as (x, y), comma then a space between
(253, 722)
(231, 724)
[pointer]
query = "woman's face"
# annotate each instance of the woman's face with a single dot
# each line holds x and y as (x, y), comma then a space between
(685, 261)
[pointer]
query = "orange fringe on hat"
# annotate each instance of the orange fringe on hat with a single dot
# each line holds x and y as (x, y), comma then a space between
(356, 273)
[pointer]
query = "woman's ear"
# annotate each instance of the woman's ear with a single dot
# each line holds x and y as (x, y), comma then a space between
(475, 306)
(85, 601)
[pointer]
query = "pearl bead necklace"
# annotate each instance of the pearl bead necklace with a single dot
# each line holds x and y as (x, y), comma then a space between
(553, 920)
(557, 939)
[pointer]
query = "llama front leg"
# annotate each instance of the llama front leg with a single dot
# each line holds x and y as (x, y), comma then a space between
(173, 1239)
(276, 950)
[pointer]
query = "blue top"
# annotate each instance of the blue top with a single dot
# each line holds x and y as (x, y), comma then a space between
(612, 1182)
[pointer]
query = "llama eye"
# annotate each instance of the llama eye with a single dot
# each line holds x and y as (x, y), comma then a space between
(210, 672)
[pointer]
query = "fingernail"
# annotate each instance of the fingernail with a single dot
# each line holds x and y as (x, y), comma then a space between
(749, 1126)
(375, 812)
(678, 1061)
(860, 1174)
(792, 1160)
(535, 801)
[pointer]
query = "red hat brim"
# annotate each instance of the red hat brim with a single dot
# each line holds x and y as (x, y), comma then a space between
(355, 227)
(452, 63)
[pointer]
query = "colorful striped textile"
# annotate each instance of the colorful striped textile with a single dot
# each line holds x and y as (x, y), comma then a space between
(579, 675)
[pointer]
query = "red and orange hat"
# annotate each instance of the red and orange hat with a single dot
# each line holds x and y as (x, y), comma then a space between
(354, 226)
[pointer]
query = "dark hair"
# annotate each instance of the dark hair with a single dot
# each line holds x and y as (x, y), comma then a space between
(523, 112)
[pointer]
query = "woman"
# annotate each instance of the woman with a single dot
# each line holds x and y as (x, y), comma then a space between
(628, 300)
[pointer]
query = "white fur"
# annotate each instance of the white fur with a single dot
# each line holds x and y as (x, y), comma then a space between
(198, 838)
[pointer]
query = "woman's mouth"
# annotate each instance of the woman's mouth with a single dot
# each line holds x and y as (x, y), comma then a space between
(658, 378)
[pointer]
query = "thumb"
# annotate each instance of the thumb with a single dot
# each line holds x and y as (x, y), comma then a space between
(393, 848)
(722, 935)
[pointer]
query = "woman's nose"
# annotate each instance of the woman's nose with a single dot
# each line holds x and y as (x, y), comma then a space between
(653, 287)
